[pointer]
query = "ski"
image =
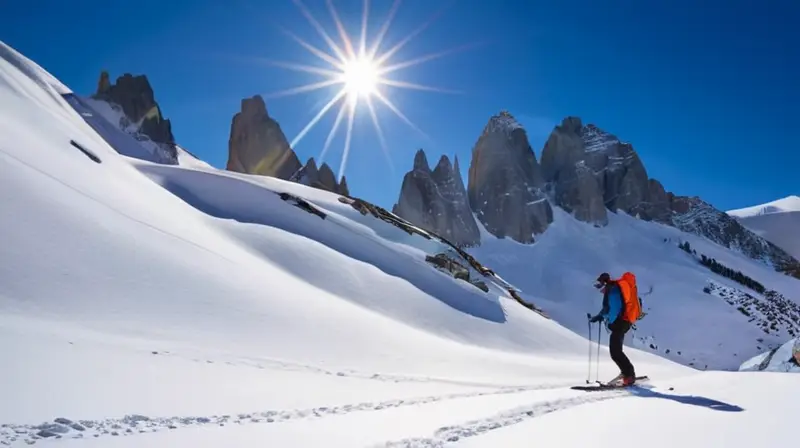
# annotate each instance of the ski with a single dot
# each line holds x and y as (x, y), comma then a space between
(605, 386)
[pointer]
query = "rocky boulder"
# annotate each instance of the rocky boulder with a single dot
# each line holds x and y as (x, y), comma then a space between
(437, 201)
(257, 144)
(506, 183)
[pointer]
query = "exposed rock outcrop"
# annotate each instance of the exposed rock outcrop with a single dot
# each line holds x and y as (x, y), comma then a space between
(135, 95)
(322, 178)
(437, 201)
(693, 215)
(592, 171)
(257, 144)
(506, 183)
(142, 114)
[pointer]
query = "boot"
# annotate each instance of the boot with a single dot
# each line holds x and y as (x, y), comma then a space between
(616, 379)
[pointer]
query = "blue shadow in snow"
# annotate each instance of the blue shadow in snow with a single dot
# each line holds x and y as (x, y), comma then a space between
(310, 226)
(693, 400)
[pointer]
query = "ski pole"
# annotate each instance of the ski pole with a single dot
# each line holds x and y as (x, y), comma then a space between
(597, 372)
(589, 371)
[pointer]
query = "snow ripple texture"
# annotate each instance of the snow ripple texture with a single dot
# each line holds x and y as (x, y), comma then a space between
(16, 434)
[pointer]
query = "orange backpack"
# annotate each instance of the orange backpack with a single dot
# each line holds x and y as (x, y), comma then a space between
(630, 297)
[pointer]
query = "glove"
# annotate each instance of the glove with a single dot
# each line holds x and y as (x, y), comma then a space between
(597, 318)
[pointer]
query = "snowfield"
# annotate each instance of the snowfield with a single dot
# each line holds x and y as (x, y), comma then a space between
(145, 304)
(777, 221)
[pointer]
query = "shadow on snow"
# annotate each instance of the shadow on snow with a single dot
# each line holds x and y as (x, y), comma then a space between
(254, 204)
(693, 400)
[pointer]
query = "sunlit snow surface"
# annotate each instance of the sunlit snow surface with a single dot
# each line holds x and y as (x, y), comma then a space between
(152, 305)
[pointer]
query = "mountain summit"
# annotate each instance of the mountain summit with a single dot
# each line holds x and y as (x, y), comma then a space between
(437, 201)
(589, 173)
(506, 185)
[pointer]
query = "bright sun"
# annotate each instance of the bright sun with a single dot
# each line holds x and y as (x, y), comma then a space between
(360, 77)
(358, 70)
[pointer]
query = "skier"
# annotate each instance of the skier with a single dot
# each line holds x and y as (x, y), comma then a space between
(619, 311)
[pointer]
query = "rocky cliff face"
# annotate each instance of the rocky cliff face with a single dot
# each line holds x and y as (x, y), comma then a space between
(586, 171)
(437, 201)
(591, 172)
(506, 184)
(135, 96)
(257, 144)
(322, 178)
(693, 215)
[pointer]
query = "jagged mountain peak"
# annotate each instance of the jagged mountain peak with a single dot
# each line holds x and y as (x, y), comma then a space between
(421, 161)
(502, 122)
(444, 164)
(254, 106)
(141, 114)
(437, 201)
(257, 145)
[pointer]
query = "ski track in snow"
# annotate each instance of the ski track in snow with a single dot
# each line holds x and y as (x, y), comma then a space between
(450, 434)
(132, 424)
(275, 364)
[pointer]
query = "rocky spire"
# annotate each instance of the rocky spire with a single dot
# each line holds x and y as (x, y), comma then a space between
(505, 182)
(257, 144)
(437, 201)
(135, 96)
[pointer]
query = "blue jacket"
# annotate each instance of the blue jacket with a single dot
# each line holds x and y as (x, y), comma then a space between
(612, 303)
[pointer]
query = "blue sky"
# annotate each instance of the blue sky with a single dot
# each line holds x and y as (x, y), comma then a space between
(707, 92)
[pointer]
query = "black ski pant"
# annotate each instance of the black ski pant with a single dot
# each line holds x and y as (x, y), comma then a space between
(618, 329)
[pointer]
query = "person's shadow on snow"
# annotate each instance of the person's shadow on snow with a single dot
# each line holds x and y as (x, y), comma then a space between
(693, 400)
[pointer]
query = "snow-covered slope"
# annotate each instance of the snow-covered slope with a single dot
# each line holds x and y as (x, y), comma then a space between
(685, 323)
(144, 304)
(785, 358)
(777, 221)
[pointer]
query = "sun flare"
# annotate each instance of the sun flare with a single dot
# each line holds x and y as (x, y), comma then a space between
(359, 72)
(360, 77)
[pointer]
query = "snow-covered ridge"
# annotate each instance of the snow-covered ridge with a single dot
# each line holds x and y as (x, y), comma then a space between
(785, 358)
(776, 221)
(783, 205)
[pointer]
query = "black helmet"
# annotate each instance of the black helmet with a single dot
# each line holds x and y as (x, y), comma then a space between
(602, 280)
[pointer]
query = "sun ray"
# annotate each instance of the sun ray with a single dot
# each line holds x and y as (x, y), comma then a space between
(384, 28)
(425, 58)
(348, 46)
(347, 138)
(357, 65)
(402, 116)
(304, 88)
(314, 50)
(411, 85)
(321, 31)
(379, 131)
(298, 67)
(333, 131)
(317, 117)
(385, 56)
(362, 44)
